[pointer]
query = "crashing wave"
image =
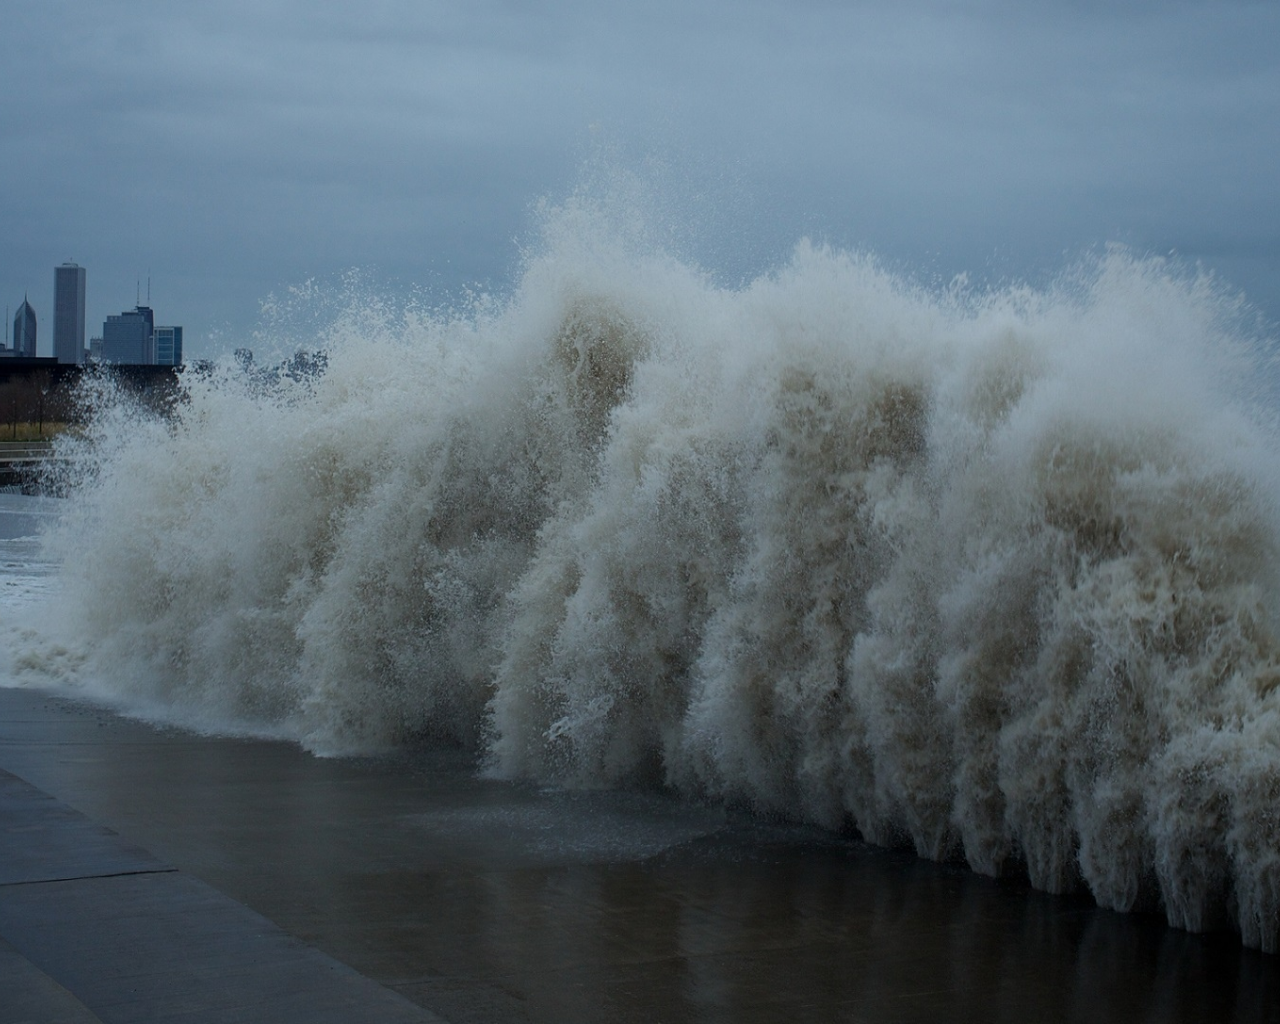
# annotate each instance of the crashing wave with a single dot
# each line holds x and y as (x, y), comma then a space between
(992, 574)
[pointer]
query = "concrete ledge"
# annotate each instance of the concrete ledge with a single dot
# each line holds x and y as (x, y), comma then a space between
(42, 840)
(29, 996)
(94, 930)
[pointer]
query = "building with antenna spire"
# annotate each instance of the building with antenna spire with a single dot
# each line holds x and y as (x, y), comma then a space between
(127, 338)
(68, 313)
(133, 339)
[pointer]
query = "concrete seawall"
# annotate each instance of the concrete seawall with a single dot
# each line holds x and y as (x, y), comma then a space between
(21, 463)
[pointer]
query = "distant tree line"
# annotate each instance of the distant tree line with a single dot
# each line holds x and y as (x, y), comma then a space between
(32, 401)
(40, 397)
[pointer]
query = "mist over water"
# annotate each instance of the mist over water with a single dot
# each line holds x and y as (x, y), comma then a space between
(992, 574)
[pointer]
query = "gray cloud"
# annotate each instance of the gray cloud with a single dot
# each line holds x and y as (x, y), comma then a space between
(234, 148)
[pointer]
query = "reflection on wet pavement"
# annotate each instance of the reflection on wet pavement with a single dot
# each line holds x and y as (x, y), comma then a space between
(486, 901)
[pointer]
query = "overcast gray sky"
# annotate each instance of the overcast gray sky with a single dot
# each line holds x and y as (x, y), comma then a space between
(232, 148)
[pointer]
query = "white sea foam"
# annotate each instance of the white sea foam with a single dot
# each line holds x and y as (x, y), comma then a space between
(994, 574)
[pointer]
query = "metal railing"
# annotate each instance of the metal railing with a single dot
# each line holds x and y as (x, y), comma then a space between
(25, 451)
(22, 463)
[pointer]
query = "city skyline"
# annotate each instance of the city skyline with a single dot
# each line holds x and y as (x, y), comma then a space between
(129, 338)
(90, 312)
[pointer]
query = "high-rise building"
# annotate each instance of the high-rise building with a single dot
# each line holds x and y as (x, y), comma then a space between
(128, 338)
(133, 339)
(68, 313)
(168, 345)
(24, 331)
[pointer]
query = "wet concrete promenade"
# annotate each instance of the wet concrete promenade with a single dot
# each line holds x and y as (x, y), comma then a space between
(153, 875)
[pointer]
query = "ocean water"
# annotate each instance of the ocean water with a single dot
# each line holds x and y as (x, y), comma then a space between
(990, 574)
(28, 574)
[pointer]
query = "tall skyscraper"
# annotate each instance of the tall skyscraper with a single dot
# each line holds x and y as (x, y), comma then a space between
(128, 339)
(24, 331)
(68, 313)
